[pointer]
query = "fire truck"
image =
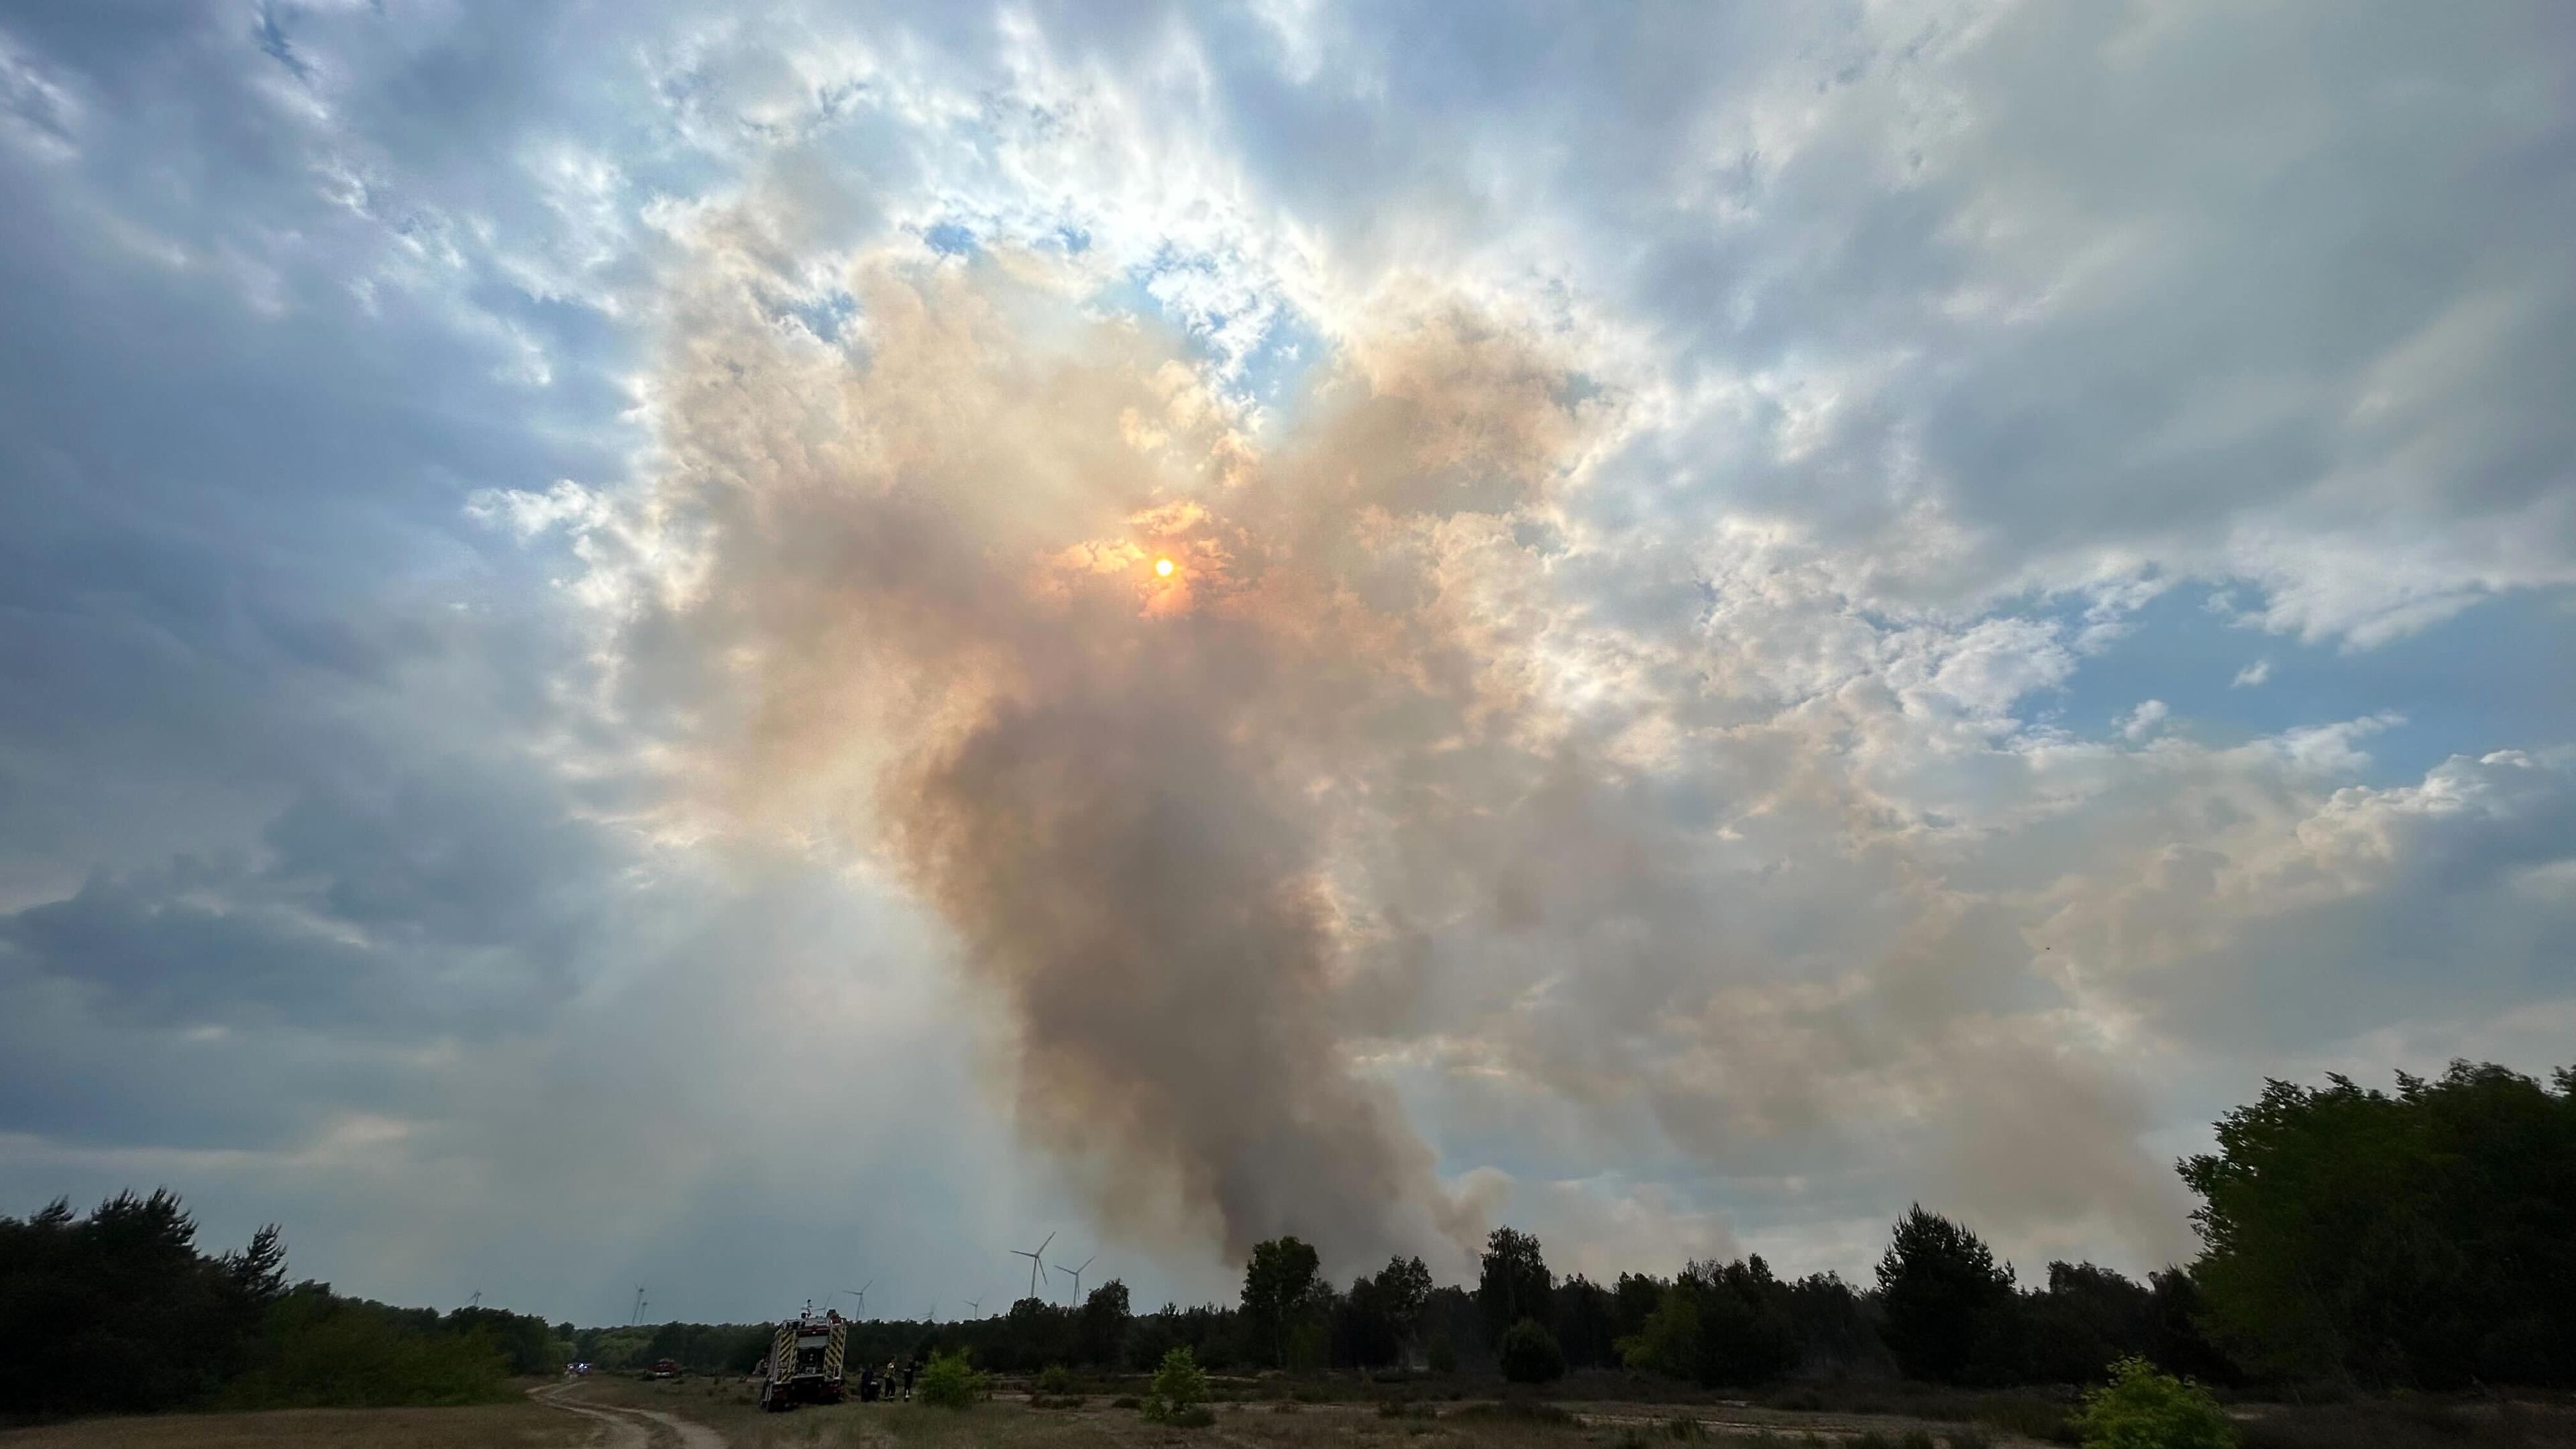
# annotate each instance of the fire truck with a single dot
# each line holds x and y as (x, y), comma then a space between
(805, 1361)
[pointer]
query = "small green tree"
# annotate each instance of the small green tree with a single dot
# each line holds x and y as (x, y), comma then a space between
(950, 1381)
(2142, 1408)
(1669, 1343)
(1055, 1378)
(1530, 1355)
(1179, 1394)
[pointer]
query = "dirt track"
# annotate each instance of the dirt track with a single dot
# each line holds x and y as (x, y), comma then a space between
(627, 1427)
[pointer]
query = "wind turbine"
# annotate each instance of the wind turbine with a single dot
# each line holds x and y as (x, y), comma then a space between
(476, 1301)
(1076, 1275)
(638, 1315)
(1035, 1260)
(974, 1305)
(861, 1294)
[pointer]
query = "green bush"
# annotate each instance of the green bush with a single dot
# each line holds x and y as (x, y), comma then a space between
(1530, 1354)
(1179, 1394)
(1055, 1378)
(1669, 1342)
(2142, 1408)
(324, 1351)
(1686, 1429)
(950, 1381)
(1441, 1354)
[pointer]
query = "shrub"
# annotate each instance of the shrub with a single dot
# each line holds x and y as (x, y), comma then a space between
(1441, 1354)
(1055, 1378)
(1530, 1355)
(950, 1382)
(1126, 1401)
(2142, 1408)
(1179, 1394)
(324, 1351)
(1686, 1429)
(1669, 1343)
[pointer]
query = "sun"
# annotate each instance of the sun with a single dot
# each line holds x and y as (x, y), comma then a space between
(1162, 568)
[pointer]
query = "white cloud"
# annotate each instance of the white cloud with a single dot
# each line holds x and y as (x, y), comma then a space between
(1919, 353)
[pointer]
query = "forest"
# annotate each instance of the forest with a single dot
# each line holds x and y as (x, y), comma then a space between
(119, 1311)
(2422, 1239)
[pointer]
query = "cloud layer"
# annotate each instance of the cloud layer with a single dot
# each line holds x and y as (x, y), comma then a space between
(1773, 613)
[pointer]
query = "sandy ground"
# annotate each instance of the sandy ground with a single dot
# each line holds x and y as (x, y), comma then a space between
(628, 1426)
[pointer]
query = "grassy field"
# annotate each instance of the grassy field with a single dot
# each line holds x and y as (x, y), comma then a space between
(1094, 1420)
(1285, 1415)
(498, 1426)
(1298, 1415)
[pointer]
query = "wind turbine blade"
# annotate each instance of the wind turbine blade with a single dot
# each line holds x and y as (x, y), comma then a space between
(1042, 1247)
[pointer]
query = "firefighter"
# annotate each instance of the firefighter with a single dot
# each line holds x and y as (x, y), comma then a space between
(910, 1365)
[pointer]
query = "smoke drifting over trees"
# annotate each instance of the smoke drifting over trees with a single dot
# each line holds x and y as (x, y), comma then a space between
(1358, 776)
(925, 568)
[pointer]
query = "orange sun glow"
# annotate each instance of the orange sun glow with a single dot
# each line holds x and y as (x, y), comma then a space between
(1163, 568)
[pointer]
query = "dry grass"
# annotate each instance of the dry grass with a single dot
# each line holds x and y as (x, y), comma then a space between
(1286, 1423)
(726, 1406)
(499, 1426)
(2411, 1423)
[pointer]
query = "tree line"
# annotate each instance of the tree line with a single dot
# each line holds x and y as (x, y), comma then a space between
(2424, 1238)
(119, 1311)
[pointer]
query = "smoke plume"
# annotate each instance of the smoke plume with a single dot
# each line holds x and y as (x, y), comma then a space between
(910, 604)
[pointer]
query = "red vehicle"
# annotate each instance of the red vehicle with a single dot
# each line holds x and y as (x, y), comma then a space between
(667, 1368)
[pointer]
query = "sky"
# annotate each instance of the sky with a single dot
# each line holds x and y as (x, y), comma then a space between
(1775, 612)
